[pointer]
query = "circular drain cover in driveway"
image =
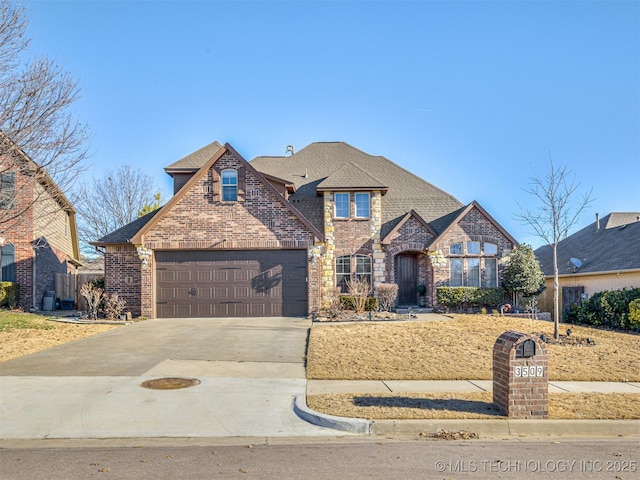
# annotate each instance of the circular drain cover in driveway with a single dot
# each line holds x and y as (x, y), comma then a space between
(171, 383)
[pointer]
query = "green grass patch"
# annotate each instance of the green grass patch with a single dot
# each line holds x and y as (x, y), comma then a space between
(10, 320)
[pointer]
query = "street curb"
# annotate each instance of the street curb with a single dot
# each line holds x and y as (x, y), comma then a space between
(516, 428)
(351, 425)
(485, 428)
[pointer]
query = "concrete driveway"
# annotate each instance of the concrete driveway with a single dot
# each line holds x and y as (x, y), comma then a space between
(249, 371)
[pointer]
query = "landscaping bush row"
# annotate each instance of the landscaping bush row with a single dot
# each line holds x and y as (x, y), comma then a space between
(9, 294)
(348, 302)
(459, 297)
(611, 309)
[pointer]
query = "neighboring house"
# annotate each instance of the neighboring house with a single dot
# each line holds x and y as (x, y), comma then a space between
(276, 235)
(603, 256)
(38, 233)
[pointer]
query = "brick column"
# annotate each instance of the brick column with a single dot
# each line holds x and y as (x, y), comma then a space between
(521, 376)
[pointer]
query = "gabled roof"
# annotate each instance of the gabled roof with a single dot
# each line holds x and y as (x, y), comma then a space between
(315, 163)
(192, 162)
(134, 232)
(412, 214)
(613, 247)
(350, 177)
(454, 219)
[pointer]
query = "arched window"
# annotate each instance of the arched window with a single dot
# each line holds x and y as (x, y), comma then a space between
(229, 185)
(8, 272)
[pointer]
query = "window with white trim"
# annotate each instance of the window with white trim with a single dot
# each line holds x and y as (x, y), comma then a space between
(455, 272)
(229, 185)
(342, 201)
(490, 278)
(363, 209)
(351, 267)
(473, 272)
(343, 272)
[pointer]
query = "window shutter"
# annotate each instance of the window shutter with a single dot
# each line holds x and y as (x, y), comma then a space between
(242, 184)
(217, 184)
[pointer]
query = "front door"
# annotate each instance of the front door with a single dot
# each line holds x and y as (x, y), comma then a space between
(407, 278)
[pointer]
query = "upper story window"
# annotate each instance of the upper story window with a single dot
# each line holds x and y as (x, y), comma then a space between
(455, 249)
(473, 248)
(362, 205)
(490, 248)
(229, 185)
(342, 201)
(7, 189)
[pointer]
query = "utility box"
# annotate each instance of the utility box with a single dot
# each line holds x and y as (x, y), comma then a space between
(48, 300)
(521, 376)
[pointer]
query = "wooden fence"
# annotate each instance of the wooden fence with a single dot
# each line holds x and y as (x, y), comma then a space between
(68, 286)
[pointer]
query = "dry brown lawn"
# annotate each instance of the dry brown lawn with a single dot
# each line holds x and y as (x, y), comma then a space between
(460, 348)
(23, 341)
(611, 406)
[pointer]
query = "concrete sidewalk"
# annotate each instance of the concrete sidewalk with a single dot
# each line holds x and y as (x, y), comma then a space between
(485, 428)
(316, 387)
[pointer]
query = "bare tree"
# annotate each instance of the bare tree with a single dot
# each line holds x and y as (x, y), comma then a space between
(39, 135)
(560, 206)
(112, 201)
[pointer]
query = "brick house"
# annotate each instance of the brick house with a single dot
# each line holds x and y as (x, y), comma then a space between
(38, 232)
(275, 235)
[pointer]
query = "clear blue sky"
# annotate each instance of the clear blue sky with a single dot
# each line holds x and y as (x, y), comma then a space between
(471, 96)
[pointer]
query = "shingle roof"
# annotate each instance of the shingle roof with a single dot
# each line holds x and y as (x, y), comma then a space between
(350, 176)
(195, 160)
(124, 234)
(614, 246)
(319, 161)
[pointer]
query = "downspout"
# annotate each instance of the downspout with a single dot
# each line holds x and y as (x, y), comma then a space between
(33, 280)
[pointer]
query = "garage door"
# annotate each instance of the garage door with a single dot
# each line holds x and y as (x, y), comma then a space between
(257, 283)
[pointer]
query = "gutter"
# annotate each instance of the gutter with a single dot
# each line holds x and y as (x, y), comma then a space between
(593, 274)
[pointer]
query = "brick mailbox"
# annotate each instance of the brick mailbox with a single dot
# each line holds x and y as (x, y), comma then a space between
(521, 376)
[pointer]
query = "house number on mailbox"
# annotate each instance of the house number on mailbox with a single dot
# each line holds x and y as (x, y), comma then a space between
(529, 371)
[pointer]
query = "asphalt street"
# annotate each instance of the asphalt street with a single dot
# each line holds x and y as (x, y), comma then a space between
(310, 459)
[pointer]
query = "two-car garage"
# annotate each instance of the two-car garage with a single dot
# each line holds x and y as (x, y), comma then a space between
(231, 283)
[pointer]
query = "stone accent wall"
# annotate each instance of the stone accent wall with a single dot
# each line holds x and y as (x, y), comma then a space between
(520, 384)
(353, 236)
(328, 261)
(379, 266)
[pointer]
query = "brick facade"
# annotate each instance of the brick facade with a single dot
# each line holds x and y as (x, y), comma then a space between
(520, 383)
(199, 220)
(472, 227)
(262, 218)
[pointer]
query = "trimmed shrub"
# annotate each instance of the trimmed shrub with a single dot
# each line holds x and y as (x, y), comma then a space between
(606, 309)
(349, 303)
(9, 294)
(461, 297)
(634, 314)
